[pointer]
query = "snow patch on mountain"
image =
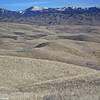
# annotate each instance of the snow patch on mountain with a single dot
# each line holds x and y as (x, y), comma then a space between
(37, 8)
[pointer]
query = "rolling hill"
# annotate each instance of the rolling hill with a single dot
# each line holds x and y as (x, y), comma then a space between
(53, 62)
(26, 79)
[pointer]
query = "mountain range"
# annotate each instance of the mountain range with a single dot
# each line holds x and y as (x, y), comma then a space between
(52, 16)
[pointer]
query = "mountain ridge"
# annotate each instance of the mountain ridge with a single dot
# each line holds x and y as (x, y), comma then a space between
(52, 16)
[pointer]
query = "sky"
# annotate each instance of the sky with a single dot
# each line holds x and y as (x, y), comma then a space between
(23, 4)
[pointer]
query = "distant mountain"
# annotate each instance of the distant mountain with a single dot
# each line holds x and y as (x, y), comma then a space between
(36, 8)
(33, 10)
(7, 13)
(51, 16)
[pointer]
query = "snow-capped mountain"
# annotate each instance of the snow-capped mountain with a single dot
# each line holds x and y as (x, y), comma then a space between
(45, 16)
(8, 13)
(61, 9)
(36, 8)
(2, 11)
(32, 10)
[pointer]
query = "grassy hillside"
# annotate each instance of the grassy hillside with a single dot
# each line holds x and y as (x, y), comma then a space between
(45, 79)
(74, 44)
(49, 62)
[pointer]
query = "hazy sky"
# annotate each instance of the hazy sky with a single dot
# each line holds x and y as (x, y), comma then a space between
(22, 4)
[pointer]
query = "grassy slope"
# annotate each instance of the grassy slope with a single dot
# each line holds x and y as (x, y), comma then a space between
(43, 78)
(74, 44)
(54, 62)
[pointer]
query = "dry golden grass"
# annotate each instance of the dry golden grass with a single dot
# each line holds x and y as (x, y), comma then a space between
(49, 62)
(15, 70)
(73, 44)
(43, 78)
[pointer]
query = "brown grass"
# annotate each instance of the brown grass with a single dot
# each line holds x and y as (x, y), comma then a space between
(49, 62)
(43, 78)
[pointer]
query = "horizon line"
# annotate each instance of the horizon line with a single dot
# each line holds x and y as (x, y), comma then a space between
(51, 7)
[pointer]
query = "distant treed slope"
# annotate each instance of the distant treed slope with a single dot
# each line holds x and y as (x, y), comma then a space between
(53, 16)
